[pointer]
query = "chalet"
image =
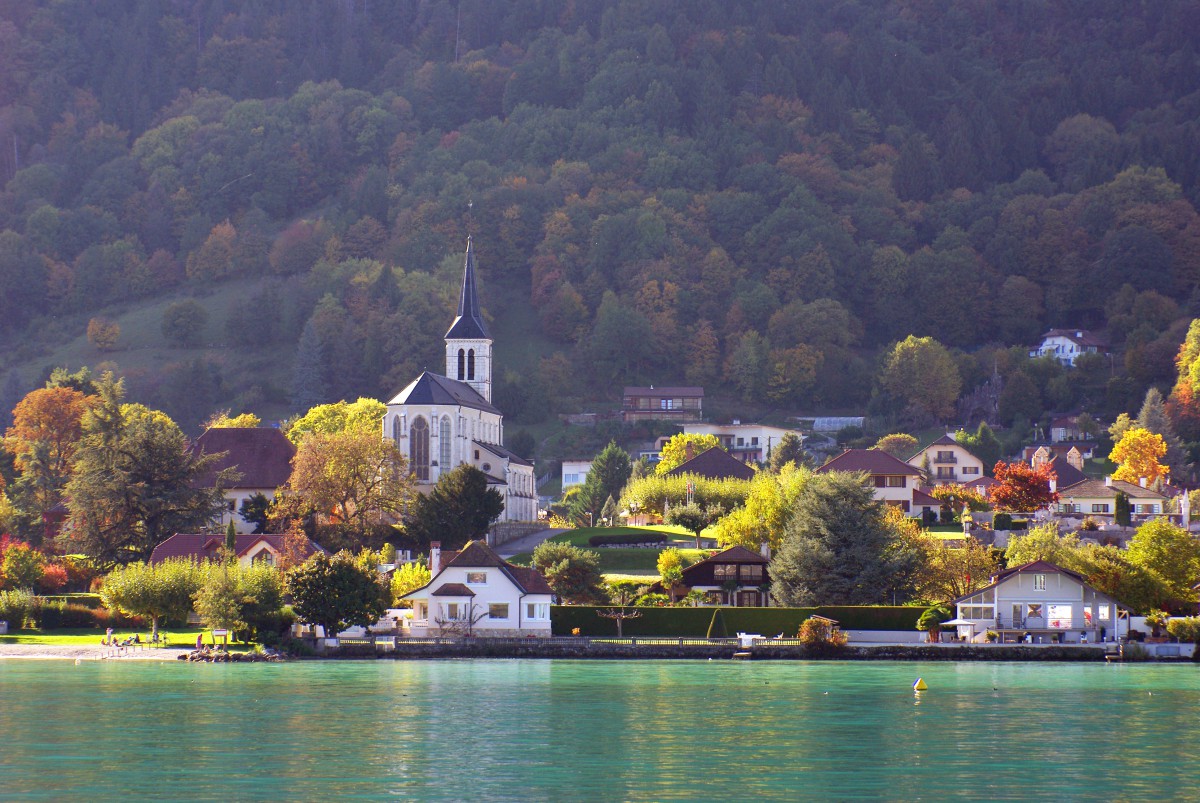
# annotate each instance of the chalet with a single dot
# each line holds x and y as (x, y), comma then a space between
(261, 455)
(713, 464)
(1065, 345)
(1098, 498)
(894, 480)
(736, 577)
(272, 549)
(750, 443)
(948, 462)
(1041, 602)
(476, 592)
(662, 404)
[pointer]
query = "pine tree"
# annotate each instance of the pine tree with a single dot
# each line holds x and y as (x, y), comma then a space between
(605, 480)
(308, 380)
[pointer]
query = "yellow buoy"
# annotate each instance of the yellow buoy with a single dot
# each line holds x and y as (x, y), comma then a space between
(920, 685)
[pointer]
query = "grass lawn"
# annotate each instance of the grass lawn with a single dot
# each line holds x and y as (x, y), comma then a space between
(74, 638)
(640, 561)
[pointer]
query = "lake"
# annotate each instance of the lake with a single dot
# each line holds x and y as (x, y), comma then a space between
(596, 730)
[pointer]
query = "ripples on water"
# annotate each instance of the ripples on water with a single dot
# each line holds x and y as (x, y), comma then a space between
(576, 730)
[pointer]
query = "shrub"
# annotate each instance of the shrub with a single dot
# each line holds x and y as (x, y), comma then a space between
(649, 538)
(15, 608)
(54, 615)
(1002, 521)
(54, 577)
(820, 632)
(1185, 629)
(716, 627)
(1089, 524)
(694, 622)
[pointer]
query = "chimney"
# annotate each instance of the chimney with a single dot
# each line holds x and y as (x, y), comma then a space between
(764, 549)
(1142, 481)
(1108, 481)
(689, 451)
(1053, 485)
(737, 421)
(435, 556)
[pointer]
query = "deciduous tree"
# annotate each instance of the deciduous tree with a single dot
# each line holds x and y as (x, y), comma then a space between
(159, 590)
(675, 450)
(899, 445)
(1022, 488)
(334, 592)
(1173, 554)
(1137, 456)
(47, 426)
(921, 374)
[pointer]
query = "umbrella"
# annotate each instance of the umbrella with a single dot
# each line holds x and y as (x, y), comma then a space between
(958, 622)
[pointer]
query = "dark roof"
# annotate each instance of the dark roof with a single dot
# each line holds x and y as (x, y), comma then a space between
(872, 461)
(263, 456)
(479, 554)
(431, 388)
(924, 499)
(714, 464)
(453, 590)
(1081, 337)
(203, 546)
(500, 451)
(668, 391)
(1066, 473)
(1097, 489)
(469, 324)
(530, 580)
(734, 554)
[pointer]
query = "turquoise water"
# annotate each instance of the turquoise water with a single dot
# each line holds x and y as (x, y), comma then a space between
(589, 730)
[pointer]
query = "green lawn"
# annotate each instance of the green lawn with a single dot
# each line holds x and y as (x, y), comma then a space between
(639, 561)
(74, 638)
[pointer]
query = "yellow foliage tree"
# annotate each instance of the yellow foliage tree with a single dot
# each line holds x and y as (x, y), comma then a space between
(103, 333)
(1137, 455)
(674, 451)
(768, 506)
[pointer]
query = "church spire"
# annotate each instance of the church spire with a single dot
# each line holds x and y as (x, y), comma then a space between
(469, 323)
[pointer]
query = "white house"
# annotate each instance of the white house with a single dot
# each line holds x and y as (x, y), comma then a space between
(1042, 603)
(262, 456)
(439, 422)
(750, 443)
(476, 592)
(1065, 345)
(895, 482)
(574, 472)
(948, 462)
(1098, 498)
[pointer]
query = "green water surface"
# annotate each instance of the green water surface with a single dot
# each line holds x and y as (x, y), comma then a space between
(592, 730)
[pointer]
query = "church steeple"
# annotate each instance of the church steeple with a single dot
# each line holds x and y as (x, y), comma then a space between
(469, 323)
(468, 344)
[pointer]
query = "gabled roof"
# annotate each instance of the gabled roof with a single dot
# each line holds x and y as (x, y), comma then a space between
(714, 464)
(500, 451)
(734, 554)
(924, 499)
(262, 455)
(872, 461)
(477, 554)
(1034, 567)
(204, 546)
(453, 590)
(1097, 489)
(1066, 473)
(431, 388)
(469, 324)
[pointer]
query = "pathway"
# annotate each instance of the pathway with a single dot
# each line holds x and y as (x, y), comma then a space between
(525, 543)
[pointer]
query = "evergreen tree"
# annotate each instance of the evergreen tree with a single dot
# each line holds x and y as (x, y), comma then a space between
(459, 509)
(308, 377)
(983, 444)
(716, 627)
(605, 480)
(1153, 417)
(790, 449)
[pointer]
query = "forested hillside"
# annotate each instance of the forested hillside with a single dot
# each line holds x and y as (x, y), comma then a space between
(754, 196)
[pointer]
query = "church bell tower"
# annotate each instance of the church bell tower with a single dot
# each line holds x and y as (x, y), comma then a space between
(468, 344)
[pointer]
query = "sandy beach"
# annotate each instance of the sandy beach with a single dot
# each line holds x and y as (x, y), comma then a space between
(88, 652)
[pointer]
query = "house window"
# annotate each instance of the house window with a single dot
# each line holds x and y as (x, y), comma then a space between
(752, 574)
(537, 610)
(420, 611)
(1100, 508)
(476, 578)
(453, 611)
(264, 557)
(498, 610)
(230, 505)
(397, 428)
(945, 473)
(419, 448)
(896, 482)
(1060, 616)
(754, 441)
(724, 571)
(1103, 613)
(1039, 582)
(970, 470)
(444, 444)
(741, 441)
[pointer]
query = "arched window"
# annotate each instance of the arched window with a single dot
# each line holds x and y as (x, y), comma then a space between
(461, 364)
(471, 365)
(397, 429)
(444, 444)
(418, 436)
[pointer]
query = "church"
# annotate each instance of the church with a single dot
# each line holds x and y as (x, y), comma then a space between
(439, 422)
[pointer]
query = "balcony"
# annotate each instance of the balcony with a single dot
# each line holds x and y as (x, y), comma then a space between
(945, 459)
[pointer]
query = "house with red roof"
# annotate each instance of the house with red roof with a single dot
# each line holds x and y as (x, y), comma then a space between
(266, 548)
(261, 455)
(1042, 603)
(895, 482)
(1065, 345)
(475, 592)
(713, 464)
(946, 461)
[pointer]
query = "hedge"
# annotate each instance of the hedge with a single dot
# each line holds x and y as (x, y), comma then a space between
(694, 622)
(652, 538)
(92, 601)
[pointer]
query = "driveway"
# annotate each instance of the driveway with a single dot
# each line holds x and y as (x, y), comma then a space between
(525, 543)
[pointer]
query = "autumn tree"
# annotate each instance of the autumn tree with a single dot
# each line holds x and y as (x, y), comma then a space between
(353, 483)
(47, 426)
(364, 415)
(767, 509)
(956, 497)
(899, 445)
(103, 333)
(1137, 455)
(675, 451)
(949, 572)
(922, 376)
(1022, 488)
(334, 592)
(223, 420)
(409, 578)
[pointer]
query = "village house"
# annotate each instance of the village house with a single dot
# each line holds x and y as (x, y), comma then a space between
(476, 592)
(1065, 345)
(261, 455)
(662, 404)
(895, 482)
(750, 443)
(736, 576)
(1041, 603)
(574, 472)
(712, 464)
(272, 549)
(947, 461)
(1098, 498)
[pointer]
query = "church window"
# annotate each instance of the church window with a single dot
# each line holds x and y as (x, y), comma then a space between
(397, 429)
(461, 364)
(419, 448)
(471, 365)
(444, 444)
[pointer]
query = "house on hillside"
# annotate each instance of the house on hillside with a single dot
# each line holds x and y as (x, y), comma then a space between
(735, 576)
(574, 472)
(1068, 469)
(1098, 498)
(948, 462)
(266, 548)
(1065, 345)
(662, 404)
(713, 464)
(1085, 450)
(1041, 602)
(476, 592)
(750, 443)
(263, 457)
(895, 482)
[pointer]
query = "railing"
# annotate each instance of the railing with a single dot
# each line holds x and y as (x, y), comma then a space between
(398, 643)
(946, 459)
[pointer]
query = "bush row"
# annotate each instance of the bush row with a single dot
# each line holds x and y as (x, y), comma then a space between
(18, 607)
(694, 622)
(648, 538)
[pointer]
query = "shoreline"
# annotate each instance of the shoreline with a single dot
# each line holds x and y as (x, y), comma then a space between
(86, 652)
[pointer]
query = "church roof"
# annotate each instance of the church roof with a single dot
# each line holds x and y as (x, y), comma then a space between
(469, 324)
(500, 451)
(431, 388)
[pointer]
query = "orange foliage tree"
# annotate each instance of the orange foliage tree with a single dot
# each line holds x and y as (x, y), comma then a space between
(1137, 455)
(1022, 488)
(47, 426)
